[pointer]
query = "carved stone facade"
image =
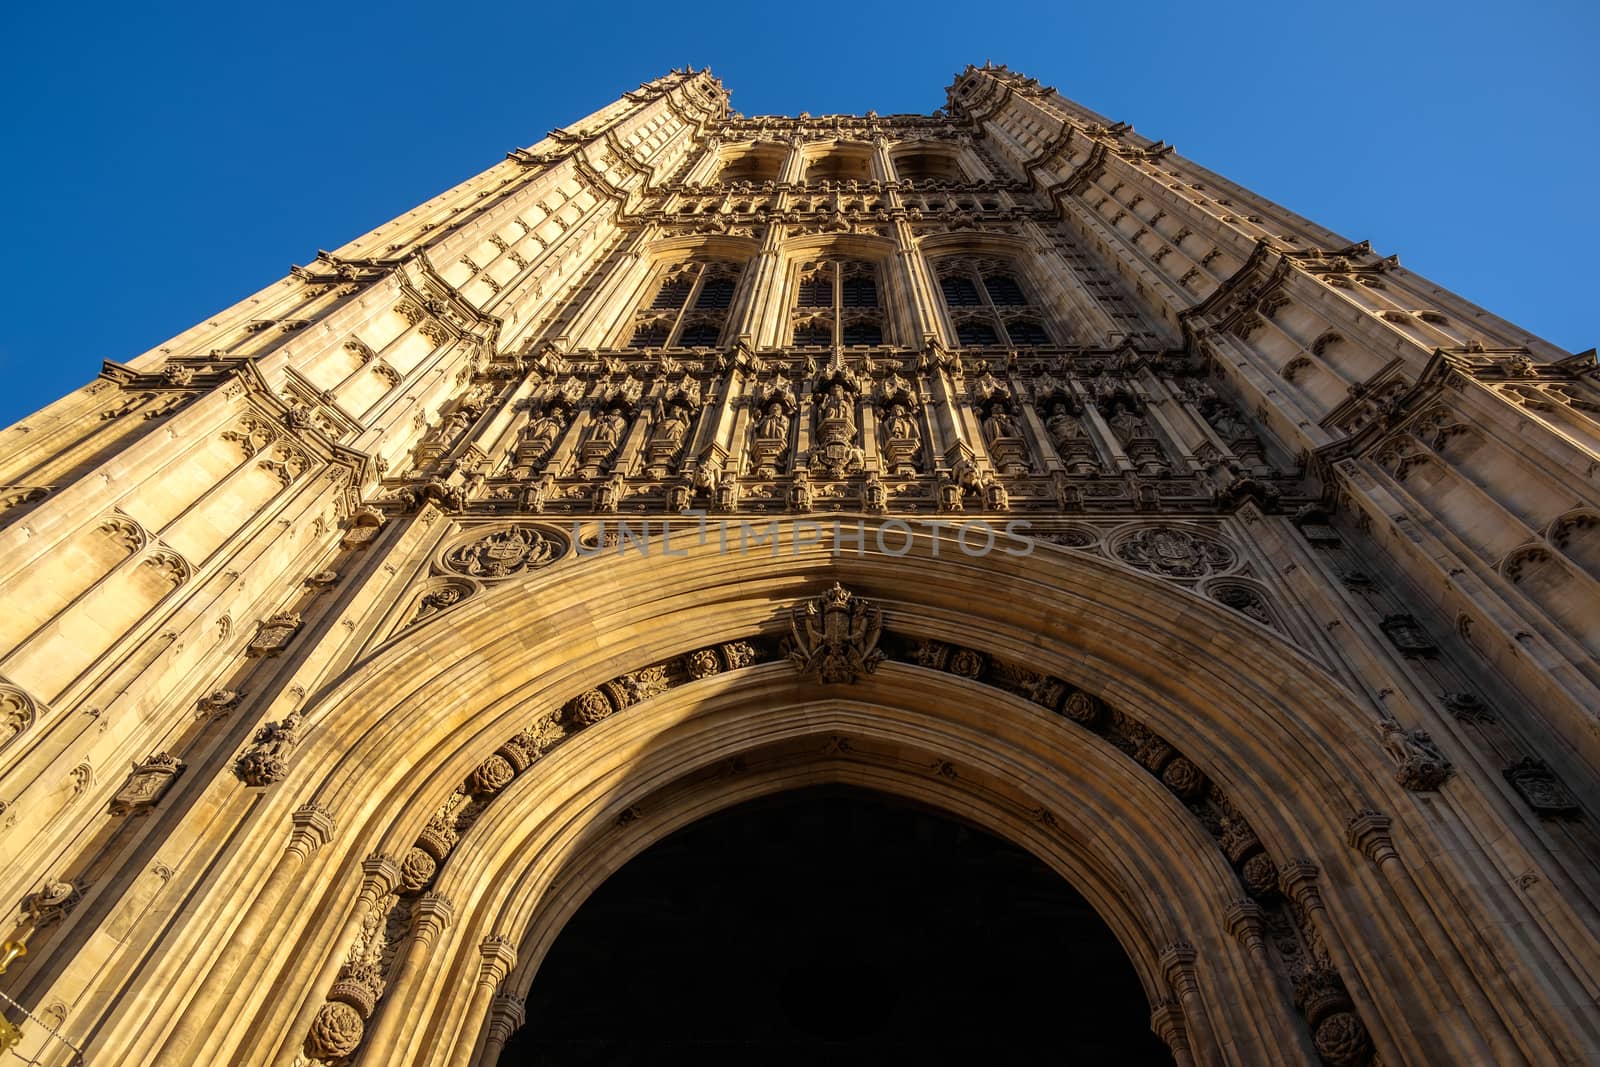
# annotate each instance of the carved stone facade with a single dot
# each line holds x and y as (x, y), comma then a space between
(1001, 459)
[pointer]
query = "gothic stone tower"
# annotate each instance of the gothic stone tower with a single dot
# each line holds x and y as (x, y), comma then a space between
(344, 649)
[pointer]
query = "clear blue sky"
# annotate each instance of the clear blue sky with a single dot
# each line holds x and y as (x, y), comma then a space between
(168, 160)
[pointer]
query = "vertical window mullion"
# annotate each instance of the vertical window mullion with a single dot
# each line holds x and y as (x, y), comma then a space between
(688, 302)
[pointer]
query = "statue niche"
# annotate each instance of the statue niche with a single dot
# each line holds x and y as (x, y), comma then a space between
(836, 453)
(1002, 433)
(901, 440)
(1071, 438)
(667, 438)
(769, 440)
(1126, 419)
(603, 440)
(537, 439)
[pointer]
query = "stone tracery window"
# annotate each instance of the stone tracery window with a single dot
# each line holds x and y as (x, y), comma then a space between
(837, 303)
(689, 308)
(988, 305)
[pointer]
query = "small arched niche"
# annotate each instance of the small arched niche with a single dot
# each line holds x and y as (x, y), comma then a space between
(924, 163)
(752, 163)
(842, 162)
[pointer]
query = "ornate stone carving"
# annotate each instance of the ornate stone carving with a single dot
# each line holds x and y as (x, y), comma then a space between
(1408, 635)
(1071, 439)
(769, 441)
(50, 904)
(274, 633)
(902, 442)
(1174, 552)
(146, 784)
(17, 713)
(364, 528)
(336, 1032)
(266, 761)
(835, 637)
(417, 870)
(491, 776)
(836, 453)
(1541, 788)
(503, 553)
(1419, 765)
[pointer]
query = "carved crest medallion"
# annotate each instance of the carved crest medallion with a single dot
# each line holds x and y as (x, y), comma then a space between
(835, 637)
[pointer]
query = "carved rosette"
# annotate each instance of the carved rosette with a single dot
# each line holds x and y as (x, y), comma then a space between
(336, 1032)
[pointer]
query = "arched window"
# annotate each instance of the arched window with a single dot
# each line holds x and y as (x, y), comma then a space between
(689, 308)
(982, 296)
(836, 303)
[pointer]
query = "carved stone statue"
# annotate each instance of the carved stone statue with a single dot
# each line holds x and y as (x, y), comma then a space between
(837, 453)
(769, 449)
(1003, 435)
(1000, 425)
(607, 431)
(774, 425)
(672, 429)
(267, 759)
(1419, 765)
(901, 441)
(899, 425)
(1072, 442)
(666, 440)
(838, 406)
(1064, 426)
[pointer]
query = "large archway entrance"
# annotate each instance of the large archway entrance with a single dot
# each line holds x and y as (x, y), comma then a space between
(835, 925)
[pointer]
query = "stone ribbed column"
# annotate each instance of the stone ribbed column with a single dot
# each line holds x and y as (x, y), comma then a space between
(499, 955)
(1177, 965)
(313, 827)
(433, 914)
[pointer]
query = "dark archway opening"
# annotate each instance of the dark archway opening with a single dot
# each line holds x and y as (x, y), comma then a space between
(835, 926)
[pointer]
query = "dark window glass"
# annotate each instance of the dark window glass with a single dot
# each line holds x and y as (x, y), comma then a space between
(715, 293)
(976, 333)
(672, 294)
(1004, 291)
(860, 293)
(959, 292)
(652, 336)
(817, 291)
(863, 333)
(701, 333)
(1027, 332)
(816, 333)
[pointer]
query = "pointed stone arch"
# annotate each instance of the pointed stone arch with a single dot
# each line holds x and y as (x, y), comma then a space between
(404, 729)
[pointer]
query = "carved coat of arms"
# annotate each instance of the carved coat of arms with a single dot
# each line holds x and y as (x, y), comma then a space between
(835, 637)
